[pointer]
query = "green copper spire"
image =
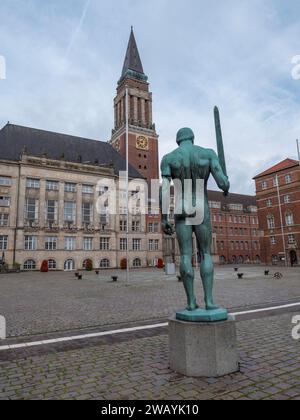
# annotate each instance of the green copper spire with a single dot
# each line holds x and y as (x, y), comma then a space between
(133, 67)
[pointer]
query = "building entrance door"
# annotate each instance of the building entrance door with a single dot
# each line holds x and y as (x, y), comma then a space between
(293, 258)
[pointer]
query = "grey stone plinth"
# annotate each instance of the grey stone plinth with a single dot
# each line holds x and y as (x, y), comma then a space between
(204, 349)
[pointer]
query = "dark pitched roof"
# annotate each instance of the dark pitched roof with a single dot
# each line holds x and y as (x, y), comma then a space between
(132, 59)
(246, 200)
(281, 166)
(14, 138)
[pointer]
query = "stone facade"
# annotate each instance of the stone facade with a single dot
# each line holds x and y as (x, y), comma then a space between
(52, 215)
(279, 212)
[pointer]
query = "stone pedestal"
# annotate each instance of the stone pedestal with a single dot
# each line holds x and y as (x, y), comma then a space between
(203, 349)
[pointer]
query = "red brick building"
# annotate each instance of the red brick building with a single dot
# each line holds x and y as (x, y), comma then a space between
(235, 225)
(236, 234)
(278, 200)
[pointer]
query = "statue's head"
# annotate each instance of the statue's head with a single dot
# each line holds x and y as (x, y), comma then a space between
(185, 134)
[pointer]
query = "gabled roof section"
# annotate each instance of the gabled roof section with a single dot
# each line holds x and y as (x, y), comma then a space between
(281, 166)
(14, 139)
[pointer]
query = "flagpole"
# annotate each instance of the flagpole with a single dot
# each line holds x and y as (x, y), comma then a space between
(127, 186)
(281, 221)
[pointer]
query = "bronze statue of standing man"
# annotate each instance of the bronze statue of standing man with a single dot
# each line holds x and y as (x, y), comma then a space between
(188, 164)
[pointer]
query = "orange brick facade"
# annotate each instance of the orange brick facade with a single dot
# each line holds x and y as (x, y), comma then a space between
(279, 213)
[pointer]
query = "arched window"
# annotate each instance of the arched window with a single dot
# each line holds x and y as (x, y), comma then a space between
(241, 259)
(52, 264)
(289, 218)
(105, 263)
(29, 265)
(137, 263)
(257, 259)
(69, 265)
(271, 222)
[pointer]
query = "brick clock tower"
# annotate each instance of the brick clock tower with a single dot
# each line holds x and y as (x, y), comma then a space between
(143, 140)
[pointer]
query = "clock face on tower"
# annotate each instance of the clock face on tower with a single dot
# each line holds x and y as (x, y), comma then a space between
(142, 143)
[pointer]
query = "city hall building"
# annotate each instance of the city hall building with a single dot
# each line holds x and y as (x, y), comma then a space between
(49, 189)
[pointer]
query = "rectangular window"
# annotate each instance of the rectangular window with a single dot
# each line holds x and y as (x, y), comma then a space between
(104, 244)
(88, 244)
(31, 209)
(123, 244)
(5, 181)
(136, 244)
(3, 242)
(30, 243)
(87, 189)
(123, 226)
(287, 199)
(4, 219)
(273, 240)
(4, 201)
(52, 211)
(236, 207)
(51, 243)
(271, 222)
(214, 204)
(291, 239)
(33, 183)
(264, 185)
(52, 186)
(136, 226)
(288, 179)
(87, 212)
(70, 211)
(70, 243)
(153, 245)
(269, 203)
(70, 187)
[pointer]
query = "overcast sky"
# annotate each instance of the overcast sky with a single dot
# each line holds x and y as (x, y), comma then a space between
(64, 58)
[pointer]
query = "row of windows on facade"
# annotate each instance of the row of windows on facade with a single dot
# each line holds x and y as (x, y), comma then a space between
(235, 231)
(238, 245)
(232, 206)
(240, 259)
(31, 213)
(70, 211)
(234, 219)
(275, 182)
(291, 239)
(32, 183)
(70, 264)
(51, 244)
(286, 200)
(289, 220)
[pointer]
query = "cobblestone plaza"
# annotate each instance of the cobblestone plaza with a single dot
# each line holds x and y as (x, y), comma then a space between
(135, 365)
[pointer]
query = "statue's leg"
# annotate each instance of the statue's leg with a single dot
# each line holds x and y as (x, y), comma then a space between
(185, 237)
(204, 241)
